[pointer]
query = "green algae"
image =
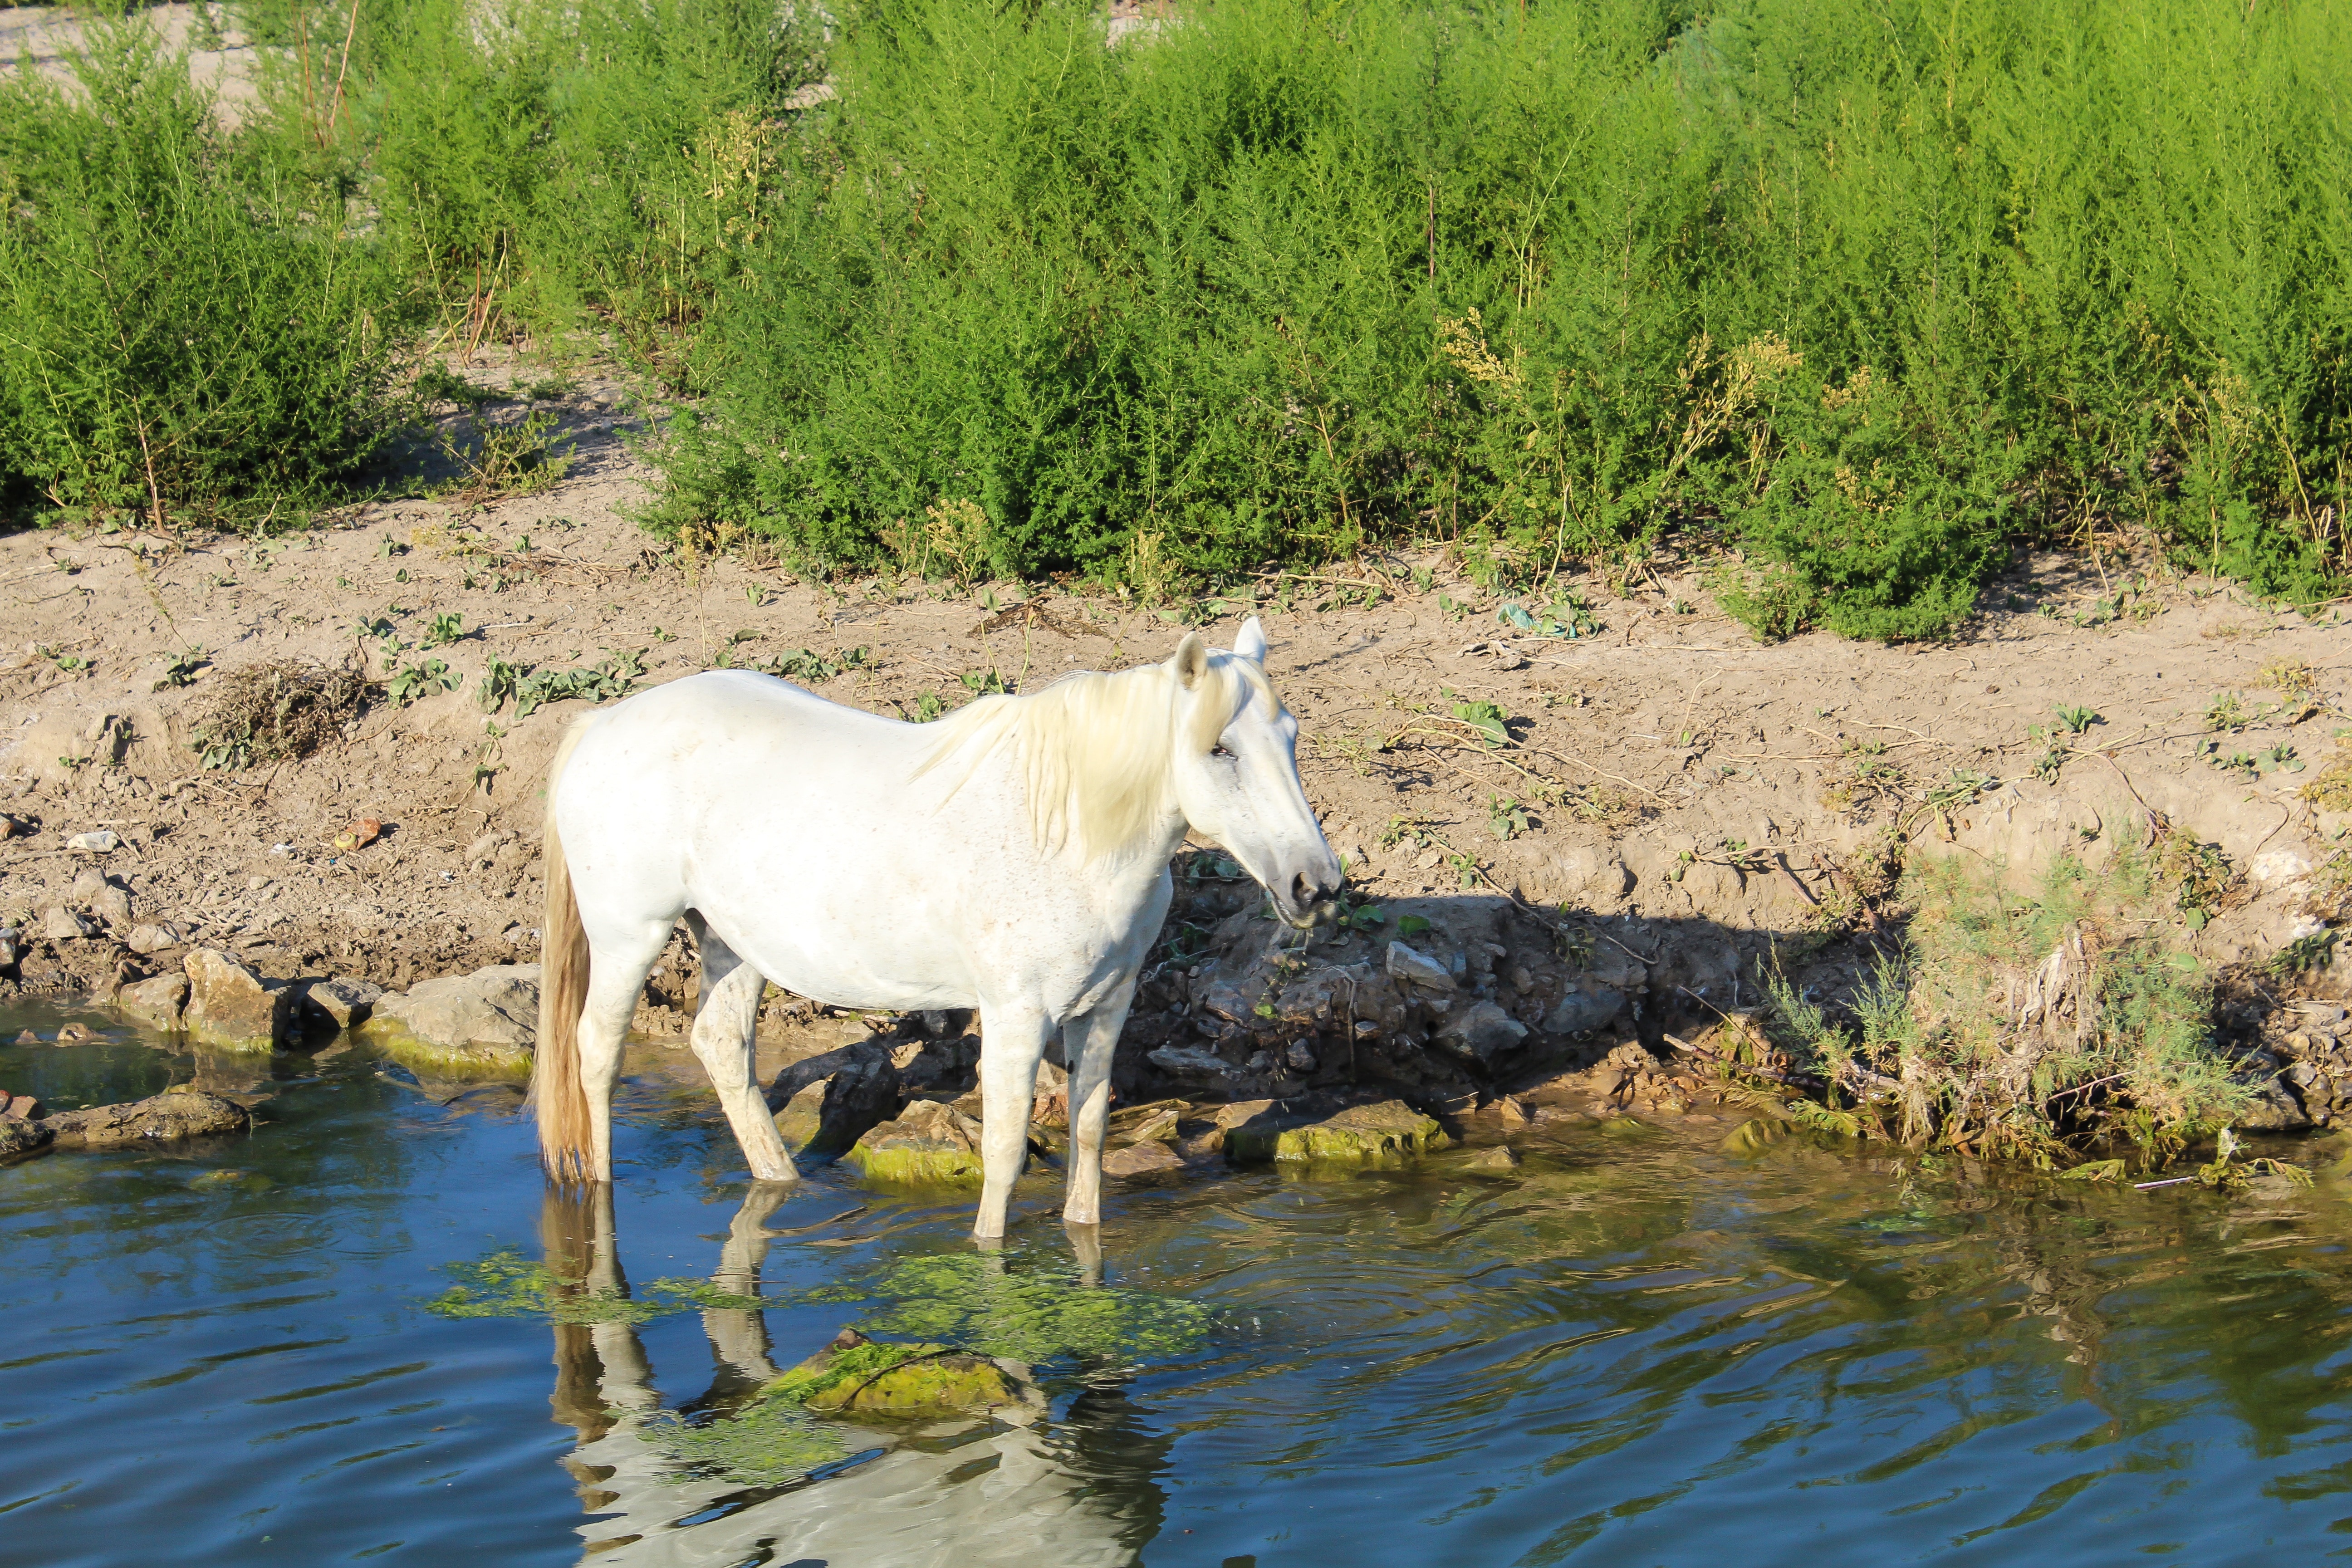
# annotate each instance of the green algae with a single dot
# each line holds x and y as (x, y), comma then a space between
(768, 1443)
(1388, 1134)
(993, 1306)
(505, 1284)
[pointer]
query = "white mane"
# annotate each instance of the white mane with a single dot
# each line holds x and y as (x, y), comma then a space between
(1095, 749)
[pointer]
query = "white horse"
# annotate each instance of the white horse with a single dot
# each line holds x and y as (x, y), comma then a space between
(1012, 857)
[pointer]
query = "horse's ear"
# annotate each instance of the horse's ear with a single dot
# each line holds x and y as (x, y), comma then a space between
(1192, 661)
(1250, 642)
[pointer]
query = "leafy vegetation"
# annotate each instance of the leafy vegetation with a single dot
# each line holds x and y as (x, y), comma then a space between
(2021, 1026)
(770, 1442)
(1864, 294)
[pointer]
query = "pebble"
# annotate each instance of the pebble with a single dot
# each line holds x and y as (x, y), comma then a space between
(98, 843)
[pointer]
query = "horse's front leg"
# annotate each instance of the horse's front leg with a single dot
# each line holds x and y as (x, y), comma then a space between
(726, 1037)
(1088, 1042)
(1012, 1042)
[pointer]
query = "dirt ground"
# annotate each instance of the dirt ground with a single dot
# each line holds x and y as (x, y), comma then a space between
(1677, 789)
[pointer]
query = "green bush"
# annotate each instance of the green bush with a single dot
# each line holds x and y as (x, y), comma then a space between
(1873, 293)
(185, 321)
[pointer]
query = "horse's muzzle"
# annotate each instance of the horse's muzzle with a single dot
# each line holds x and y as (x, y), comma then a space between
(1306, 894)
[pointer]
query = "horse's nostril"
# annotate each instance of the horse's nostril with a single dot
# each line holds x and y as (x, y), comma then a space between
(1302, 892)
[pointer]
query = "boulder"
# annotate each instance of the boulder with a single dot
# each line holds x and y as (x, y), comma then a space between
(930, 1143)
(159, 1001)
(176, 1114)
(1481, 1032)
(12, 944)
(22, 1135)
(105, 897)
(229, 1005)
(1382, 1134)
(1583, 1009)
(829, 1115)
(1192, 1062)
(480, 1025)
(857, 1376)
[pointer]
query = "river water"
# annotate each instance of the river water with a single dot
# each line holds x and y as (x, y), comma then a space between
(1635, 1348)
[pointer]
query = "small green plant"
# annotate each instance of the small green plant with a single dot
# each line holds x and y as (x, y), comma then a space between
(985, 683)
(181, 669)
(423, 678)
(446, 629)
(1487, 717)
(1507, 817)
(928, 706)
(70, 664)
(2312, 949)
(806, 664)
(2226, 713)
(2078, 720)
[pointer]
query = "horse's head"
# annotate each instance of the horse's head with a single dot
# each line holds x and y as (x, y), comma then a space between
(1236, 773)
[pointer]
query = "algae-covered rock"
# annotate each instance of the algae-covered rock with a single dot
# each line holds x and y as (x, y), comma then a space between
(229, 1005)
(855, 1375)
(176, 1114)
(20, 1135)
(928, 1143)
(1383, 1133)
(482, 1024)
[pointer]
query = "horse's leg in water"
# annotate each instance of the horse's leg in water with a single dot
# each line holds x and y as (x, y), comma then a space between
(725, 1031)
(1012, 1042)
(617, 967)
(1088, 1042)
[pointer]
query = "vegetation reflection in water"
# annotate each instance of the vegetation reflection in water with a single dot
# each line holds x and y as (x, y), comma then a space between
(1635, 1346)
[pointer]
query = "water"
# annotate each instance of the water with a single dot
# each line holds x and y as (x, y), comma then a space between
(1634, 1349)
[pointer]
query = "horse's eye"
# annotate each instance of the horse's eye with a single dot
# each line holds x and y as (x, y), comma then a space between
(1220, 752)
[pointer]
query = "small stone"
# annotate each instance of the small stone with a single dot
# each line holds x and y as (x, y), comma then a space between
(11, 947)
(1142, 1160)
(1498, 1158)
(344, 999)
(155, 938)
(76, 1035)
(101, 842)
(1189, 1061)
(1299, 1057)
(1511, 1111)
(1418, 968)
(1584, 1009)
(27, 1037)
(1481, 1032)
(22, 1105)
(62, 924)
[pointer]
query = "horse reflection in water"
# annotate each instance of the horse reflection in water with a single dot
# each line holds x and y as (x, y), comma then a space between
(966, 1493)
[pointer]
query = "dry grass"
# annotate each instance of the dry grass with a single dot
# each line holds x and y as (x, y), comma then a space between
(276, 712)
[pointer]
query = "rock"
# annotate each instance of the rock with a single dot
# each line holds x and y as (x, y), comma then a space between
(1631, 1061)
(159, 1001)
(343, 1001)
(1152, 1123)
(21, 1135)
(484, 1023)
(1481, 1032)
(101, 842)
(855, 1375)
(1189, 1061)
(1500, 1157)
(831, 1114)
(11, 948)
(1418, 969)
(1383, 1133)
(27, 1037)
(62, 924)
(928, 1143)
(76, 1035)
(1142, 1160)
(155, 938)
(176, 1114)
(1586, 1008)
(1299, 1057)
(2273, 1110)
(229, 1005)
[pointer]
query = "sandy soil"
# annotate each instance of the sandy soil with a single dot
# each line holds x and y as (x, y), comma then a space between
(1681, 791)
(219, 59)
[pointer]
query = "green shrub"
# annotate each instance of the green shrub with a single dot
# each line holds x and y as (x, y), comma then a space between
(185, 322)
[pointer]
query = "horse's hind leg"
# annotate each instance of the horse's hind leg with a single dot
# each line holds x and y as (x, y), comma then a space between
(617, 968)
(725, 1031)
